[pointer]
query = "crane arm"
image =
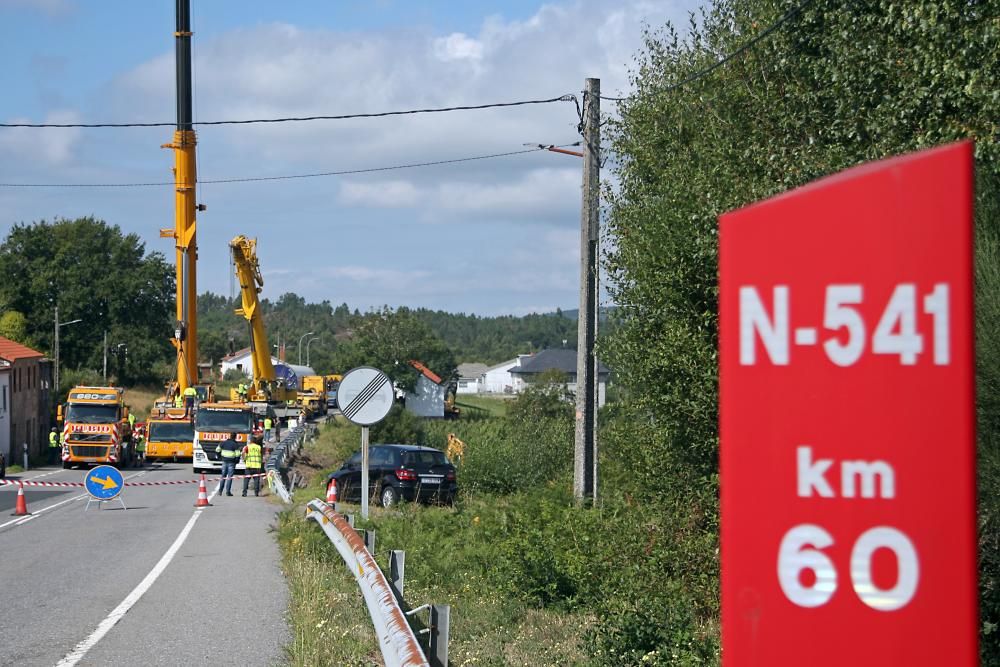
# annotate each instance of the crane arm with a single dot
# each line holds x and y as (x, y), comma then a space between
(248, 271)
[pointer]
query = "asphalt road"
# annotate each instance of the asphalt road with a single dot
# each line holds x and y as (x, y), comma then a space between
(161, 583)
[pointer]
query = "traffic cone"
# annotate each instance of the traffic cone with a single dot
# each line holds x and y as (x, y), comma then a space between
(21, 508)
(331, 492)
(202, 493)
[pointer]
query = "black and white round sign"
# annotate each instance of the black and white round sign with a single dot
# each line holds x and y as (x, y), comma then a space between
(365, 395)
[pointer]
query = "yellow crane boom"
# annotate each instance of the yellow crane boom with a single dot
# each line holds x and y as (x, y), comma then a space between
(266, 386)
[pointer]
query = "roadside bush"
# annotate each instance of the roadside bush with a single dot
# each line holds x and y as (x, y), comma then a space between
(399, 426)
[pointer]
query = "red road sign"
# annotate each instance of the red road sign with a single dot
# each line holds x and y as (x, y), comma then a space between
(847, 420)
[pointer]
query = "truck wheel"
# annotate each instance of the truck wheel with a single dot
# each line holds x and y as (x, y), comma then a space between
(67, 465)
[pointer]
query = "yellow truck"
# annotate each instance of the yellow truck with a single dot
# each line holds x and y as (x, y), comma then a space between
(169, 434)
(95, 427)
(311, 395)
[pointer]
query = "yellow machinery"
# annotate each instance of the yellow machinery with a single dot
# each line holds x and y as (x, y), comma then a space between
(312, 395)
(169, 435)
(185, 178)
(266, 386)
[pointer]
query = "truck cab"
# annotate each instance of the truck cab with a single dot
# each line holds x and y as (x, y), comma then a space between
(169, 435)
(95, 427)
(213, 423)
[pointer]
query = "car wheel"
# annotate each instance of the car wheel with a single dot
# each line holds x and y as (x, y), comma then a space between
(389, 496)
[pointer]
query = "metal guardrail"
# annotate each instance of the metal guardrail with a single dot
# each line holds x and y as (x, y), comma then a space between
(287, 447)
(397, 640)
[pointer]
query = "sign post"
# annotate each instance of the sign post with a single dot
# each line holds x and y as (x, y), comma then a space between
(365, 397)
(104, 483)
(847, 420)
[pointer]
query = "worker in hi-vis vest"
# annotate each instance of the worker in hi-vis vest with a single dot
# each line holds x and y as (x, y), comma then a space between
(189, 395)
(229, 452)
(54, 446)
(253, 459)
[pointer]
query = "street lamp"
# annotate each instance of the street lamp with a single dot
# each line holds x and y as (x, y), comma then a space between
(308, 333)
(308, 343)
(59, 324)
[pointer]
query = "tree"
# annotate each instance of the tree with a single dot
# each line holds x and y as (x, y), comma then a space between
(14, 326)
(839, 84)
(389, 340)
(94, 272)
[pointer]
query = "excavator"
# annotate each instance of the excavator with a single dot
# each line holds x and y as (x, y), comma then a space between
(267, 388)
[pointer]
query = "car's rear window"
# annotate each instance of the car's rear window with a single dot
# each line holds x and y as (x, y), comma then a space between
(429, 457)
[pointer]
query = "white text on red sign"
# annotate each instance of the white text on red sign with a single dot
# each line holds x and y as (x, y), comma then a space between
(802, 546)
(895, 333)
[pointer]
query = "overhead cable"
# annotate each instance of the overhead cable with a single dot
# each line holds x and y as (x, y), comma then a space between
(301, 119)
(743, 49)
(255, 179)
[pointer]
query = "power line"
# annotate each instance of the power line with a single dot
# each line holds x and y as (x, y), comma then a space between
(743, 49)
(257, 179)
(301, 119)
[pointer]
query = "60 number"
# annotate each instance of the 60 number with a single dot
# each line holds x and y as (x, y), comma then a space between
(801, 550)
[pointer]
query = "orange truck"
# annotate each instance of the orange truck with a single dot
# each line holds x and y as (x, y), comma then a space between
(169, 434)
(95, 427)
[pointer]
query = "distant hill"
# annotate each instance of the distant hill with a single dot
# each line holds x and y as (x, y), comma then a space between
(574, 314)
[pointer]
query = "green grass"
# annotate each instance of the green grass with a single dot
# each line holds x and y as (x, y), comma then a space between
(140, 400)
(451, 558)
(480, 406)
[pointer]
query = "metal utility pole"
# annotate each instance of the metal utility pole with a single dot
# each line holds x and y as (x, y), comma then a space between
(55, 351)
(585, 445)
(55, 345)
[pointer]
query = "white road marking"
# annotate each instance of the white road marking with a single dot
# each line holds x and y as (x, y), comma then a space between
(80, 650)
(22, 520)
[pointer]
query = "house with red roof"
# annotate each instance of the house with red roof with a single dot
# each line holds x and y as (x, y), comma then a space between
(428, 395)
(25, 385)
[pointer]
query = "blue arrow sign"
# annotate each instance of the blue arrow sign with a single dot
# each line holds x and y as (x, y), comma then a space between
(104, 482)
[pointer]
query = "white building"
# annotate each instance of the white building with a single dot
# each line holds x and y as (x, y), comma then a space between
(498, 379)
(427, 397)
(470, 378)
(564, 361)
(241, 361)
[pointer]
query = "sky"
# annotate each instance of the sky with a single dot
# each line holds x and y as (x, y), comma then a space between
(490, 237)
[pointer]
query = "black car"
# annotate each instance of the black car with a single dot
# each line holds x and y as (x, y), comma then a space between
(398, 472)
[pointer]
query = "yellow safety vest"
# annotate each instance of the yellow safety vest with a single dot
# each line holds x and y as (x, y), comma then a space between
(141, 445)
(253, 457)
(267, 423)
(53, 440)
(229, 453)
(190, 391)
(178, 401)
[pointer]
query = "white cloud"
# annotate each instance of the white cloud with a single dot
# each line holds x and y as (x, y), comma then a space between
(384, 194)
(52, 146)
(538, 193)
(527, 255)
(458, 46)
